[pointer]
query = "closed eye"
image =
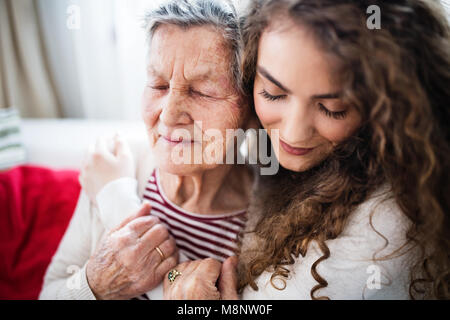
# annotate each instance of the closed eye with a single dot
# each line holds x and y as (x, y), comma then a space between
(159, 87)
(339, 115)
(198, 93)
(270, 97)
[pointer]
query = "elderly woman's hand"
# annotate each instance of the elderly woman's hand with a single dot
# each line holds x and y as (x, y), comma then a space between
(127, 263)
(108, 160)
(197, 281)
(228, 279)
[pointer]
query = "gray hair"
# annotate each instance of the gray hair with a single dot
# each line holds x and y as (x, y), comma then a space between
(220, 14)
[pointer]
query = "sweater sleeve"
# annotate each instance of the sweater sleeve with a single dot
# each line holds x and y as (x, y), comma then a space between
(121, 198)
(65, 278)
(118, 200)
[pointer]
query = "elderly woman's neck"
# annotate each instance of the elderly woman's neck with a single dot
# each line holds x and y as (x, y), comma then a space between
(217, 191)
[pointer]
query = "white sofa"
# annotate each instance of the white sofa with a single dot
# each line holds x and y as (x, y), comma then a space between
(62, 143)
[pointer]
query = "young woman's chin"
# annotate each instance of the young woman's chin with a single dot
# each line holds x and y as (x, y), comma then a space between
(295, 165)
(302, 163)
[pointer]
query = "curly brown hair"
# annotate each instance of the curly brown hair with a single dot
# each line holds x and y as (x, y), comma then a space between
(398, 77)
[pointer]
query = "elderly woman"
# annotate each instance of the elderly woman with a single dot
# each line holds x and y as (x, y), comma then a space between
(193, 87)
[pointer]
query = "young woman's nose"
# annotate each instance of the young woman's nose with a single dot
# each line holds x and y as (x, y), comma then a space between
(174, 110)
(298, 125)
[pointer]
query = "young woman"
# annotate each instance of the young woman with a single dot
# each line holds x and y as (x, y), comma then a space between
(361, 206)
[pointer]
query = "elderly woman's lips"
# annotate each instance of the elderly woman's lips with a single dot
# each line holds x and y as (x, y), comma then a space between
(176, 141)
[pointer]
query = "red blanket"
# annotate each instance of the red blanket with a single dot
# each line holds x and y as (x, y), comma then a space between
(36, 205)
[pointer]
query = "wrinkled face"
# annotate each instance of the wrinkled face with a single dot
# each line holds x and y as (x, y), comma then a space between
(190, 100)
(295, 93)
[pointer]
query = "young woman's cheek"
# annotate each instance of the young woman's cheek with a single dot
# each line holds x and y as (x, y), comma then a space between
(334, 130)
(268, 114)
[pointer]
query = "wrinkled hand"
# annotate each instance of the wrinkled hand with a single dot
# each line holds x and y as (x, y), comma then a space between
(198, 281)
(126, 263)
(228, 279)
(107, 161)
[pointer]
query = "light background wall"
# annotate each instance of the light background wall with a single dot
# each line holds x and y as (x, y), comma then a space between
(99, 68)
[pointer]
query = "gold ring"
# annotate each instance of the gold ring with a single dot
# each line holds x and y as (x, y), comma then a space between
(173, 274)
(163, 257)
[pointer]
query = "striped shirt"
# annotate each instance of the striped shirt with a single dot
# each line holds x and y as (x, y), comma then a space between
(197, 236)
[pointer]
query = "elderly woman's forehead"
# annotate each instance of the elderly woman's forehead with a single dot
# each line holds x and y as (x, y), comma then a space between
(200, 73)
(205, 35)
(202, 46)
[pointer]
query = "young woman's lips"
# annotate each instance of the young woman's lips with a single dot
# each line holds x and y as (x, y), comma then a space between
(294, 151)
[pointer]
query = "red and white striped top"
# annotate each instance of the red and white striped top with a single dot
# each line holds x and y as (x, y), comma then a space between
(197, 236)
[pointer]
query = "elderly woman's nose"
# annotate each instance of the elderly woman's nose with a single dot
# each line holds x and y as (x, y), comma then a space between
(174, 111)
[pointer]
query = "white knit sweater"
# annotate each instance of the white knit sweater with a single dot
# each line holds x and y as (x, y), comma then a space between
(350, 270)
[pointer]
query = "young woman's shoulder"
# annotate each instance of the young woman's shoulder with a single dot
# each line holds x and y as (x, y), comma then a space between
(378, 224)
(367, 261)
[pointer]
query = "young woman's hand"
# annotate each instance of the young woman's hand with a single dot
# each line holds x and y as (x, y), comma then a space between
(132, 259)
(107, 161)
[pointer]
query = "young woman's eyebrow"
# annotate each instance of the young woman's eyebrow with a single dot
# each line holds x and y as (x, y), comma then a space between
(326, 96)
(263, 72)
